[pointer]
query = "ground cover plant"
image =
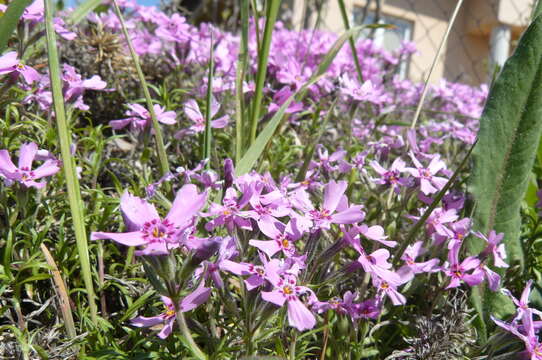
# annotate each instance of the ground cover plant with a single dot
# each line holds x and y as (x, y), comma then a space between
(171, 190)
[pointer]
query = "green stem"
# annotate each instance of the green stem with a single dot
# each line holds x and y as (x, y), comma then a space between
(72, 183)
(351, 41)
(162, 157)
(263, 58)
(185, 331)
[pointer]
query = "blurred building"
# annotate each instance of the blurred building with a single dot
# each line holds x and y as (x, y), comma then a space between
(484, 34)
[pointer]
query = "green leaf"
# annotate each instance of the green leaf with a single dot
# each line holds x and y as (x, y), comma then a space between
(82, 11)
(10, 19)
(136, 305)
(510, 130)
(256, 149)
(68, 161)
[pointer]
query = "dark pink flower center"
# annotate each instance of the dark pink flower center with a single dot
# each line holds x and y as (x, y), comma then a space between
(157, 231)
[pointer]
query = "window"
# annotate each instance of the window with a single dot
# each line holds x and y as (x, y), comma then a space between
(388, 39)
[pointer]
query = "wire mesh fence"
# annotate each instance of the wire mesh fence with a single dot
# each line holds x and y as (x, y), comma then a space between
(483, 36)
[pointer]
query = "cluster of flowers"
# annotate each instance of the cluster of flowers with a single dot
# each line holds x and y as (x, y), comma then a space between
(294, 57)
(291, 218)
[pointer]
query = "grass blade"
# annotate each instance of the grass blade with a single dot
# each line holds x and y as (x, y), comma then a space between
(10, 19)
(434, 64)
(62, 293)
(82, 11)
(162, 157)
(263, 58)
(74, 192)
(346, 22)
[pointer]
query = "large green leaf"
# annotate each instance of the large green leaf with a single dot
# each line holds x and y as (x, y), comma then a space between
(510, 130)
(10, 19)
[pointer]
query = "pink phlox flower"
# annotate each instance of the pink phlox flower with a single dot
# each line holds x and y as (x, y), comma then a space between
(375, 233)
(460, 230)
(522, 304)
(341, 306)
(311, 182)
(366, 92)
(229, 212)
(429, 183)
(167, 318)
(493, 247)
(327, 162)
(412, 252)
(293, 73)
(34, 12)
(23, 173)
(74, 85)
(193, 112)
(265, 208)
(145, 228)
(140, 118)
(376, 263)
(335, 208)
(10, 64)
(391, 177)
(284, 238)
(62, 31)
(368, 309)
(257, 274)
(458, 272)
(174, 29)
(286, 290)
(526, 332)
(388, 288)
(227, 251)
(280, 98)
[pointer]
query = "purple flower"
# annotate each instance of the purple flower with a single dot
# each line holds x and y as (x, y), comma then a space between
(229, 213)
(10, 64)
(429, 183)
(23, 173)
(139, 118)
(287, 291)
(145, 228)
(283, 237)
(458, 271)
(498, 251)
(335, 209)
(409, 257)
(391, 177)
(167, 318)
(192, 110)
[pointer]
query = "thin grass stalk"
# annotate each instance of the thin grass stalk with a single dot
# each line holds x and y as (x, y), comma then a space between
(185, 331)
(241, 68)
(351, 41)
(434, 64)
(263, 58)
(62, 292)
(72, 183)
(208, 135)
(162, 157)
